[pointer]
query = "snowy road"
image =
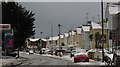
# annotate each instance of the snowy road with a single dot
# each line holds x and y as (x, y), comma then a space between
(37, 61)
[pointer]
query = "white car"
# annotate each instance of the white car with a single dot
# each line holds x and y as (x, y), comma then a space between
(31, 52)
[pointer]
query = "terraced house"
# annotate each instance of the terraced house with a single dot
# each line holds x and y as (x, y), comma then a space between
(79, 37)
(113, 23)
(96, 34)
(85, 37)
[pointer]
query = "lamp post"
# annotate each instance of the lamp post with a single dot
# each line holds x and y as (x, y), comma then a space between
(102, 30)
(51, 38)
(41, 39)
(59, 38)
(18, 33)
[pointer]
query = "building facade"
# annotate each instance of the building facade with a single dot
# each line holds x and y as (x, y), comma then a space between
(79, 37)
(96, 32)
(85, 36)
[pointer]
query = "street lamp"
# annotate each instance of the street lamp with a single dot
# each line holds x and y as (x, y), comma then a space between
(102, 30)
(41, 39)
(18, 33)
(51, 38)
(41, 34)
(59, 38)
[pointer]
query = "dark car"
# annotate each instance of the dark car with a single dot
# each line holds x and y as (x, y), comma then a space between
(12, 54)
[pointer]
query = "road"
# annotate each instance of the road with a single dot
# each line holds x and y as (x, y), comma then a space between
(37, 61)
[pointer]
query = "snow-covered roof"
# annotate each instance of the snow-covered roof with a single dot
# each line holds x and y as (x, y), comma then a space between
(44, 39)
(54, 38)
(96, 25)
(86, 28)
(33, 40)
(66, 34)
(81, 53)
(113, 9)
(79, 30)
(61, 36)
(72, 33)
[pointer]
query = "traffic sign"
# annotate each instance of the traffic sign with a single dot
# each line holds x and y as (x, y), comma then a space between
(5, 26)
(103, 38)
(9, 40)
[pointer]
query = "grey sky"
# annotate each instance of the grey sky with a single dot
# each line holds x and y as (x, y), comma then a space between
(68, 14)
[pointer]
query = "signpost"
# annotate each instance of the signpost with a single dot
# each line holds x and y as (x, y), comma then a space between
(103, 38)
(9, 42)
(5, 26)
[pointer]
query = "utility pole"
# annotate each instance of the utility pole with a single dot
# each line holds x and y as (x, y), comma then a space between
(93, 19)
(102, 29)
(41, 39)
(51, 38)
(87, 16)
(59, 38)
(18, 33)
(99, 18)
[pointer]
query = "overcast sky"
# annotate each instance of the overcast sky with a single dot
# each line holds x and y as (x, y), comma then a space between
(68, 14)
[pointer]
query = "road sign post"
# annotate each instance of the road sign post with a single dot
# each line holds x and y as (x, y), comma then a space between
(103, 38)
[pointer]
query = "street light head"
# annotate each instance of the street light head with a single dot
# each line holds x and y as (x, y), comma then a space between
(41, 32)
(59, 25)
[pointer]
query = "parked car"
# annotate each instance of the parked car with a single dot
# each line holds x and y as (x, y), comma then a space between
(116, 56)
(11, 52)
(31, 52)
(77, 50)
(81, 57)
(46, 51)
(72, 53)
(36, 51)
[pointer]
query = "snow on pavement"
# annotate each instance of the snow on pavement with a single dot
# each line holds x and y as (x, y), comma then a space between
(67, 57)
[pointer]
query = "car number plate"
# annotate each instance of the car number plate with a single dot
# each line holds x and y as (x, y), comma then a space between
(81, 59)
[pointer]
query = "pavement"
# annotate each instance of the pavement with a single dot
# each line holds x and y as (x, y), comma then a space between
(68, 58)
(26, 59)
(8, 61)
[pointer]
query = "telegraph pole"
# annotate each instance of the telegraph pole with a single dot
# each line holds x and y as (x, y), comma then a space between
(18, 33)
(93, 19)
(41, 39)
(59, 38)
(87, 16)
(51, 38)
(102, 30)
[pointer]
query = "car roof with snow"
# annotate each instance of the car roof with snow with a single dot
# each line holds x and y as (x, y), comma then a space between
(81, 53)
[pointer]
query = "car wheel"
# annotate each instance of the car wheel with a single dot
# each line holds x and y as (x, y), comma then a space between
(88, 61)
(75, 61)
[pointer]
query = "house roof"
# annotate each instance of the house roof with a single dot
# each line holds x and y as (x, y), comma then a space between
(61, 36)
(33, 40)
(113, 9)
(79, 30)
(86, 28)
(72, 33)
(66, 34)
(54, 38)
(44, 39)
(96, 25)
